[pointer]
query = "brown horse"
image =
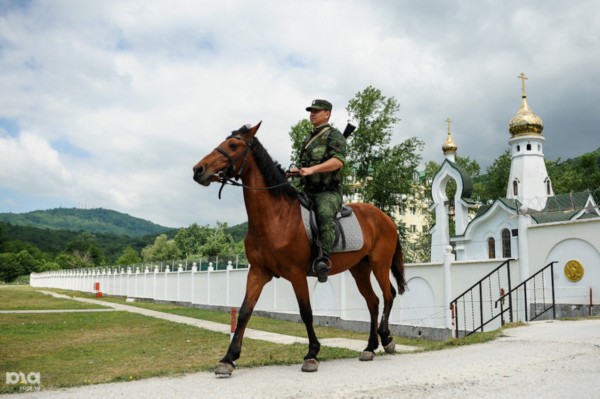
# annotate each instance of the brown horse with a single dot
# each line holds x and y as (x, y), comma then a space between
(277, 245)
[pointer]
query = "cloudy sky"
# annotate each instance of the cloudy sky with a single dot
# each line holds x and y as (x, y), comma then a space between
(110, 103)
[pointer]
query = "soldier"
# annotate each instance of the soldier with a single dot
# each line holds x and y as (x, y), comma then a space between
(322, 157)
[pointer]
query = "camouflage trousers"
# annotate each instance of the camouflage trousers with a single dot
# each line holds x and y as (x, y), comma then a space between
(327, 204)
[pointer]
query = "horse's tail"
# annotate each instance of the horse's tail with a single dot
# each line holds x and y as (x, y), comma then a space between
(398, 268)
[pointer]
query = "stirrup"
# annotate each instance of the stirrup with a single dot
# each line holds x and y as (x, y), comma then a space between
(321, 266)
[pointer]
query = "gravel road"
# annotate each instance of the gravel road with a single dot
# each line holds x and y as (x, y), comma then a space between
(550, 359)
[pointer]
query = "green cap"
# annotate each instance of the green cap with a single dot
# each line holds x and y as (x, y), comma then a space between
(319, 105)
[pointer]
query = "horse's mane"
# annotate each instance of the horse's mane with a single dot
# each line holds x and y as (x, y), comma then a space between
(272, 172)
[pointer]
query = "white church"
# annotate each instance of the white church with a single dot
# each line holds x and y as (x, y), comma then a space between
(532, 225)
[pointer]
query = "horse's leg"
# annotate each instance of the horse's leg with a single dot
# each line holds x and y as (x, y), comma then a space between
(257, 278)
(300, 285)
(362, 276)
(382, 274)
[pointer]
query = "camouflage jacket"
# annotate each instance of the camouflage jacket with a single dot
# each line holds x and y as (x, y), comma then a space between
(324, 143)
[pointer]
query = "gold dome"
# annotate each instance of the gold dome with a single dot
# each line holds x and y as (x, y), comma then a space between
(449, 146)
(525, 121)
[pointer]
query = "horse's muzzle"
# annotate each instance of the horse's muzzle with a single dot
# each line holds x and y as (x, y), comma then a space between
(200, 176)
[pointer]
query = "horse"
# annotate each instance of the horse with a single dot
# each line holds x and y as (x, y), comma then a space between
(277, 245)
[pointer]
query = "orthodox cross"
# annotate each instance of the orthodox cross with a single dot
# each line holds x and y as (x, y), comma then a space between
(449, 122)
(523, 78)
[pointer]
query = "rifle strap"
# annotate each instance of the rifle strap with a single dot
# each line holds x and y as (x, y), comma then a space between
(322, 132)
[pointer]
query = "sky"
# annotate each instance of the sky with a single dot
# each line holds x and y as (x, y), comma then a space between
(109, 104)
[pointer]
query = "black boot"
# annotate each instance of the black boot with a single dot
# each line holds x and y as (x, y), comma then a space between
(321, 267)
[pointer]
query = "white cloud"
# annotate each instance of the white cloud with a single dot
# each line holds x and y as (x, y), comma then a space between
(119, 99)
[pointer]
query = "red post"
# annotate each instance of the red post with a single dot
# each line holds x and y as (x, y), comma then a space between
(233, 322)
(97, 289)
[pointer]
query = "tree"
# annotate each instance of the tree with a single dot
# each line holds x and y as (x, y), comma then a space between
(13, 265)
(190, 240)
(129, 257)
(383, 172)
(298, 133)
(86, 249)
(219, 242)
(163, 249)
(497, 178)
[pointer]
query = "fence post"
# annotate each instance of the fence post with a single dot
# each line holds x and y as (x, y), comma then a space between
(448, 258)
(192, 275)
(208, 273)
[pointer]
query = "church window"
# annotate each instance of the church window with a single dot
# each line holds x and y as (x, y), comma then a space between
(548, 186)
(528, 147)
(506, 250)
(491, 248)
(515, 188)
(518, 148)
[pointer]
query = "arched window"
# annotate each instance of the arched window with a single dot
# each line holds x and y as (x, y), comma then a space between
(506, 250)
(491, 248)
(528, 147)
(515, 188)
(548, 186)
(518, 148)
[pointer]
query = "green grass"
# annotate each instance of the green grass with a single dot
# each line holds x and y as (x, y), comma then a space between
(21, 297)
(71, 349)
(296, 329)
(88, 348)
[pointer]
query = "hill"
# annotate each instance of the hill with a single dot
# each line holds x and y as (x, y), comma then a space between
(97, 220)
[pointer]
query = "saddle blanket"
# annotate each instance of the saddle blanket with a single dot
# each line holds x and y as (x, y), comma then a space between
(349, 225)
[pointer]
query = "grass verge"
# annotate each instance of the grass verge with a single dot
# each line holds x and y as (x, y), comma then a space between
(72, 349)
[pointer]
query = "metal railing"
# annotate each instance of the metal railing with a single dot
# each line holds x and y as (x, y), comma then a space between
(479, 299)
(526, 302)
(543, 298)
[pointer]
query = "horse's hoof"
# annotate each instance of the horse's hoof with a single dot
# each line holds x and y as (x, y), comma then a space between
(224, 369)
(366, 356)
(390, 348)
(310, 365)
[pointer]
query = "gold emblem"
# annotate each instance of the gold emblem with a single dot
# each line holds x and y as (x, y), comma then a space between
(574, 270)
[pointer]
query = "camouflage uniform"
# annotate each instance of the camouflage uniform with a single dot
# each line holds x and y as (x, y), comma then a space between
(324, 189)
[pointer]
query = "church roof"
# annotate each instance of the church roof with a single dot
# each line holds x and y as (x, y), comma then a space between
(563, 207)
(559, 208)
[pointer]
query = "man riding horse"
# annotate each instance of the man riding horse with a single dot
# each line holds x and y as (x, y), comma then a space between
(322, 158)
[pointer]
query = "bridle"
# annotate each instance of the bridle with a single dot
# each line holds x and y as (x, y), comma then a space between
(230, 171)
(229, 175)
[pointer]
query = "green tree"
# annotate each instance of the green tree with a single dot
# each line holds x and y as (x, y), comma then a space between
(163, 249)
(496, 181)
(86, 249)
(3, 236)
(129, 257)
(191, 240)
(219, 242)
(13, 265)
(383, 172)
(298, 133)
(10, 268)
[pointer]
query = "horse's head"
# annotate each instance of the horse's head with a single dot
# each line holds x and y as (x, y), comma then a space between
(228, 159)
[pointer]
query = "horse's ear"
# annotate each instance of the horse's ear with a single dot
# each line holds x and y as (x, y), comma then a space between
(254, 129)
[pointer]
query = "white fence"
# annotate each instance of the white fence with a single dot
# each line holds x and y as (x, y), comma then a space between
(338, 297)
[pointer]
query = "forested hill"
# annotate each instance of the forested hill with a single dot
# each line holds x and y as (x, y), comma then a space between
(97, 220)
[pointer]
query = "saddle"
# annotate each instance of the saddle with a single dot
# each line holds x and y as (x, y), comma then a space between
(348, 234)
